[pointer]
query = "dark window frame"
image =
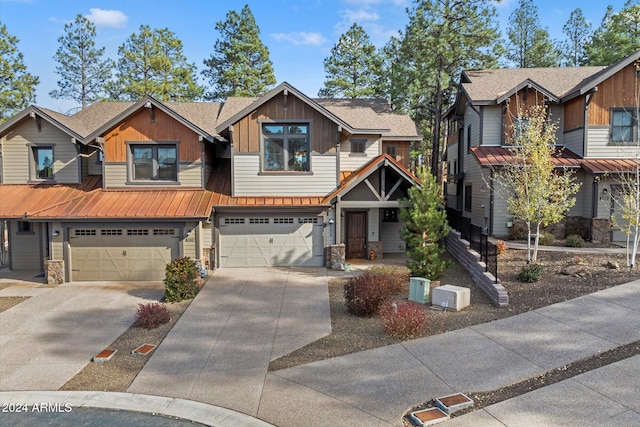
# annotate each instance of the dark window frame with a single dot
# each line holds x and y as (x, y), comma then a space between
(154, 165)
(468, 138)
(25, 227)
(390, 214)
(631, 128)
(36, 173)
(395, 151)
(358, 147)
(288, 162)
(468, 198)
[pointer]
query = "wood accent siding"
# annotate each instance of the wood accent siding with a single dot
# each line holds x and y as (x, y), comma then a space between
(139, 127)
(17, 154)
(349, 162)
(617, 91)
(404, 150)
(249, 182)
(574, 114)
(520, 103)
(323, 132)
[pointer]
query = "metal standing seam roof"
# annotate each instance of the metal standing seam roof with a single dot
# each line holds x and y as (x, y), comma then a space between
(499, 156)
(601, 166)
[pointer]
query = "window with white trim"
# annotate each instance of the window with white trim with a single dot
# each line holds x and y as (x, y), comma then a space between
(286, 147)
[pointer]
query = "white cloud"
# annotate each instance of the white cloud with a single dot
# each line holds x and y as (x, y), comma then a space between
(360, 15)
(301, 38)
(107, 18)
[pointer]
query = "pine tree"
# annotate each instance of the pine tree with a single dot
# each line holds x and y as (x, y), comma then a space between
(352, 67)
(151, 62)
(425, 224)
(443, 38)
(83, 72)
(617, 36)
(17, 86)
(529, 44)
(578, 33)
(391, 81)
(240, 64)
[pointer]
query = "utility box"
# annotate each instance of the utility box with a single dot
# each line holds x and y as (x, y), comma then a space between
(451, 297)
(419, 289)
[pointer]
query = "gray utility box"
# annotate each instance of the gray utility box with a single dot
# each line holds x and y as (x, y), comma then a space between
(419, 289)
(451, 297)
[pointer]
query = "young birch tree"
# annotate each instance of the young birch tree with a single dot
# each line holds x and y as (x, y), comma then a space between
(536, 191)
(626, 215)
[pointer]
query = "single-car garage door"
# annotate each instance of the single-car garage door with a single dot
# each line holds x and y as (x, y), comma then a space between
(264, 241)
(121, 254)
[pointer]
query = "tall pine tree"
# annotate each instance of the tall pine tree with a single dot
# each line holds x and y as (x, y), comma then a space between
(617, 36)
(240, 64)
(151, 62)
(529, 44)
(578, 33)
(17, 86)
(352, 67)
(82, 70)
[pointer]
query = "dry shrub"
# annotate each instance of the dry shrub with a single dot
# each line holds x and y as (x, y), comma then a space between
(404, 319)
(152, 315)
(364, 294)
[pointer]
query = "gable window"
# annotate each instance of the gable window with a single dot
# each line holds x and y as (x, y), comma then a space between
(154, 162)
(285, 147)
(467, 197)
(519, 128)
(622, 126)
(358, 147)
(43, 162)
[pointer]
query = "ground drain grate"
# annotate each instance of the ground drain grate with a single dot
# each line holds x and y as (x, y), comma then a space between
(453, 403)
(428, 417)
(143, 350)
(104, 355)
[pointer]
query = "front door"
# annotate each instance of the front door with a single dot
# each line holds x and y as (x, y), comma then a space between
(356, 234)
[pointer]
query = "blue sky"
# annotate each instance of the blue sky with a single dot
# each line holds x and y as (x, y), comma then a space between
(298, 33)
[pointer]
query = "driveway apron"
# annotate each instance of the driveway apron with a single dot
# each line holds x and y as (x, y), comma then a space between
(219, 351)
(48, 338)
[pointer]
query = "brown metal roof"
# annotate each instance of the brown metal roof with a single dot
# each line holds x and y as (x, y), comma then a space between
(609, 165)
(220, 186)
(499, 156)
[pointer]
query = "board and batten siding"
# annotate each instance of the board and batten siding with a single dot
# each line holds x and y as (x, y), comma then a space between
(17, 157)
(189, 175)
(492, 125)
(390, 237)
(248, 181)
(598, 145)
(25, 248)
(352, 162)
(573, 140)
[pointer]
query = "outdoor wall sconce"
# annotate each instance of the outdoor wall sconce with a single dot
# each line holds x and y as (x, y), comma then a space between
(56, 232)
(605, 194)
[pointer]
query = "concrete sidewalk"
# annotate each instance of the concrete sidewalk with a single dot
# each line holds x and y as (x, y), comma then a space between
(376, 387)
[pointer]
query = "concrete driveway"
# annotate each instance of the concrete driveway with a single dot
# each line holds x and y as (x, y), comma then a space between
(219, 351)
(47, 339)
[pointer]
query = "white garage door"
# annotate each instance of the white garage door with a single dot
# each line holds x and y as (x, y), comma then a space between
(271, 241)
(121, 254)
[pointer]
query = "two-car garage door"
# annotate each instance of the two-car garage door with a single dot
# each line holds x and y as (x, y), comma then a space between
(121, 254)
(264, 241)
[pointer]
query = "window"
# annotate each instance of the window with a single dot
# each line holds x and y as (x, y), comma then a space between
(469, 139)
(24, 227)
(111, 232)
(392, 150)
(258, 220)
(228, 221)
(43, 161)
(163, 231)
(283, 220)
(467, 198)
(84, 232)
(286, 147)
(519, 128)
(622, 126)
(390, 215)
(155, 162)
(358, 146)
(141, 232)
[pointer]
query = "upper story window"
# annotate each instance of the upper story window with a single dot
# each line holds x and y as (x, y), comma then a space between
(520, 126)
(358, 146)
(43, 163)
(622, 126)
(392, 150)
(154, 162)
(469, 139)
(286, 147)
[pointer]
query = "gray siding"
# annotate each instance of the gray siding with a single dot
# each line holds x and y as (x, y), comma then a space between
(390, 237)
(580, 207)
(557, 118)
(95, 168)
(350, 162)
(17, 153)
(574, 141)
(500, 215)
(373, 224)
(598, 145)
(189, 241)
(492, 125)
(471, 118)
(57, 242)
(189, 175)
(207, 235)
(25, 248)
(479, 178)
(249, 182)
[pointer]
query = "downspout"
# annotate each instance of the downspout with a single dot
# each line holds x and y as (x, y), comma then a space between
(585, 133)
(233, 189)
(491, 203)
(338, 156)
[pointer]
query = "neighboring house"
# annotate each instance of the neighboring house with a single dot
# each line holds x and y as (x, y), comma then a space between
(596, 110)
(120, 188)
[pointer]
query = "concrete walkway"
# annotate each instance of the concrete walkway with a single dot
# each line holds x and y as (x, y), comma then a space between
(220, 349)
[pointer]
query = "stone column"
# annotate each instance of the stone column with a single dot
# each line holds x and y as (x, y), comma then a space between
(337, 256)
(55, 271)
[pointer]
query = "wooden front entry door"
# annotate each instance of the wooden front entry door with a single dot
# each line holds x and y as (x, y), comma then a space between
(356, 234)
